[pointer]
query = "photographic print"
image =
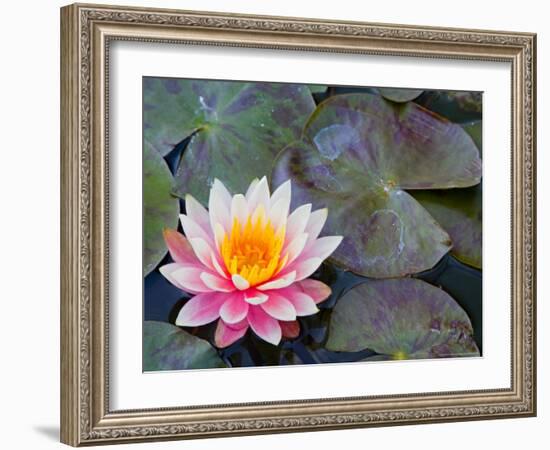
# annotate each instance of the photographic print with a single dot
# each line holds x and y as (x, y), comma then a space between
(290, 224)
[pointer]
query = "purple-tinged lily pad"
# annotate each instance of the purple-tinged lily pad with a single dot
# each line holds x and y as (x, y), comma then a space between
(166, 347)
(398, 95)
(401, 318)
(357, 156)
(237, 128)
(161, 208)
(459, 211)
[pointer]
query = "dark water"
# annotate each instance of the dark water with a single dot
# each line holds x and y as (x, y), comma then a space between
(162, 301)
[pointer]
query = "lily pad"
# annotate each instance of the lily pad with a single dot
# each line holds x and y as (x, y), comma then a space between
(161, 208)
(317, 88)
(474, 129)
(459, 211)
(458, 106)
(166, 347)
(399, 95)
(402, 319)
(357, 156)
(237, 128)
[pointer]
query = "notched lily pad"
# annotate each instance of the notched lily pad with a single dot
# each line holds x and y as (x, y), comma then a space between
(398, 95)
(166, 347)
(237, 128)
(401, 319)
(161, 208)
(357, 155)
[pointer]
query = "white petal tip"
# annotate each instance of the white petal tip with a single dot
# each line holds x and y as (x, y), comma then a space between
(240, 282)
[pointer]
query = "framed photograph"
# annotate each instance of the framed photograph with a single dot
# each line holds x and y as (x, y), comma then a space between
(275, 224)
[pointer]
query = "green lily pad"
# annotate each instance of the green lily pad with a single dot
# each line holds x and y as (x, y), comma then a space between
(166, 347)
(399, 95)
(237, 128)
(357, 156)
(457, 106)
(161, 208)
(402, 318)
(474, 129)
(459, 212)
(317, 88)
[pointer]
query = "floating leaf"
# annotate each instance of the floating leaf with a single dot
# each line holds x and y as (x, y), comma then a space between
(161, 208)
(402, 319)
(399, 95)
(458, 106)
(166, 347)
(459, 211)
(357, 155)
(474, 129)
(317, 88)
(237, 128)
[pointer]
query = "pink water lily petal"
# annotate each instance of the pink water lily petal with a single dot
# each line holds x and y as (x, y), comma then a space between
(201, 309)
(218, 266)
(219, 203)
(305, 268)
(189, 278)
(203, 251)
(278, 282)
(290, 330)
(316, 223)
(237, 326)
(239, 209)
(265, 326)
(280, 205)
(226, 335)
(296, 247)
(313, 256)
(317, 290)
(193, 230)
(279, 307)
(197, 213)
(235, 309)
(168, 272)
(279, 213)
(240, 283)
(255, 297)
(259, 196)
(322, 247)
(217, 283)
(179, 247)
(251, 188)
(296, 223)
(283, 192)
(302, 302)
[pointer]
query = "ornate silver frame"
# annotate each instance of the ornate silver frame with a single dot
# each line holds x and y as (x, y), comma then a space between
(86, 31)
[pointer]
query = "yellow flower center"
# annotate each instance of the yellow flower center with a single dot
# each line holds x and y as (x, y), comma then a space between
(253, 250)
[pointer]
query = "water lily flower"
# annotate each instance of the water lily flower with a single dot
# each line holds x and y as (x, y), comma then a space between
(247, 261)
